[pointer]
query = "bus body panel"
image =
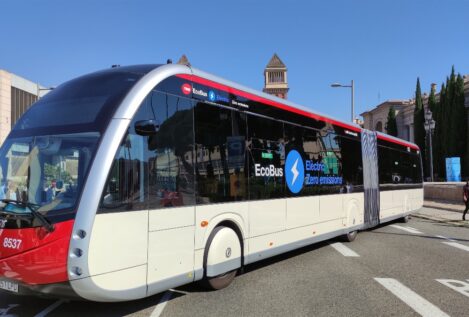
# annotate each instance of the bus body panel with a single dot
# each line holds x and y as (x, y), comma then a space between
(170, 256)
(41, 257)
(176, 217)
(302, 211)
(118, 241)
(122, 285)
(267, 216)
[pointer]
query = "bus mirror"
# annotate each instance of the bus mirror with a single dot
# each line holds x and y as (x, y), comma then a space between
(146, 127)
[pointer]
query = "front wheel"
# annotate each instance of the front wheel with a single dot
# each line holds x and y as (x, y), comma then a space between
(222, 258)
(349, 237)
(218, 282)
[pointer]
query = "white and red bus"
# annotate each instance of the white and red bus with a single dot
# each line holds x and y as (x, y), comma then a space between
(129, 181)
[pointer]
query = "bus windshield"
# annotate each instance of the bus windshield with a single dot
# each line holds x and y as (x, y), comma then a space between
(47, 171)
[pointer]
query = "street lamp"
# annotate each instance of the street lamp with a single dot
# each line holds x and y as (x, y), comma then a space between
(337, 85)
(429, 127)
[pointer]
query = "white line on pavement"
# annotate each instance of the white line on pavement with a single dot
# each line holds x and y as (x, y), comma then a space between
(49, 309)
(160, 306)
(443, 237)
(342, 249)
(411, 230)
(414, 300)
(457, 245)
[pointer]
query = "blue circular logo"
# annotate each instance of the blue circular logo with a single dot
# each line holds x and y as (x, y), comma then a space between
(294, 172)
(211, 95)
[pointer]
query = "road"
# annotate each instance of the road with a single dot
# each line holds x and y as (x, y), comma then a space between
(412, 269)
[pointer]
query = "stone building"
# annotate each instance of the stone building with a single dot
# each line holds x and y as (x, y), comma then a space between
(375, 119)
(17, 94)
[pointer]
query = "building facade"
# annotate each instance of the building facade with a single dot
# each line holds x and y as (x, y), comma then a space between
(375, 119)
(17, 94)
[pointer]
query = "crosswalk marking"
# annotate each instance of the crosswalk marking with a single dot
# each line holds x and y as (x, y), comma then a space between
(412, 299)
(457, 245)
(161, 305)
(408, 229)
(50, 308)
(342, 249)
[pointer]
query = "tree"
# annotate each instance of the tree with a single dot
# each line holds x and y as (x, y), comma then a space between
(391, 123)
(419, 120)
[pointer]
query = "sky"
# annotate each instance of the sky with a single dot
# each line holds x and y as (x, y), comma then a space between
(382, 45)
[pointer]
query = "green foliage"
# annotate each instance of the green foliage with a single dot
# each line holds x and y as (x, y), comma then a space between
(419, 120)
(450, 135)
(391, 123)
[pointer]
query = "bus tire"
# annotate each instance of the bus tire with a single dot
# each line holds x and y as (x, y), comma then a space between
(405, 219)
(224, 279)
(349, 237)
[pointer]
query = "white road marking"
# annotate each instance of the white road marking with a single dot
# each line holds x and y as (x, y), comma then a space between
(459, 286)
(161, 305)
(457, 245)
(445, 238)
(342, 249)
(411, 230)
(414, 300)
(50, 308)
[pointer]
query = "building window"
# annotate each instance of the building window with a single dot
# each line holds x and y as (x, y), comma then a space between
(20, 102)
(379, 126)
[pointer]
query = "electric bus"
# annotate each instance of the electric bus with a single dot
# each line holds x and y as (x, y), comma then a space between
(126, 182)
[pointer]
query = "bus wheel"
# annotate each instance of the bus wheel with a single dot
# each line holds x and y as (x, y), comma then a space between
(349, 237)
(223, 252)
(405, 219)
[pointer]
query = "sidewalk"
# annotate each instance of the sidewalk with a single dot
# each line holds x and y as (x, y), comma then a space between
(443, 212)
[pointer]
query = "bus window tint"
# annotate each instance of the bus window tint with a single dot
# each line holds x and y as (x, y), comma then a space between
(127, 184)
(171, 152)
(220, 138)
(398, 169)
(266, 156)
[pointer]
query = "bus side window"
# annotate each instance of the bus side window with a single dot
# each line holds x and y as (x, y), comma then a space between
(170, 152)
(266, 158)
(127, 184)
(220, 153)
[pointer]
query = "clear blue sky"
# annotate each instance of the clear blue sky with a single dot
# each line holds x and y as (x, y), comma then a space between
(382, 45)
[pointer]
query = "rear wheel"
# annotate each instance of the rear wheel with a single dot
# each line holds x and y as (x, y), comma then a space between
(349, 237)
(405, 219)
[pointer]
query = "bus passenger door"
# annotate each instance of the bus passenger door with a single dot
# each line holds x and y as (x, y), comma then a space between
(171, 196)
(370, 178)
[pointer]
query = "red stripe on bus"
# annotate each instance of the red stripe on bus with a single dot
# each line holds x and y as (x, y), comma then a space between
(253, 97)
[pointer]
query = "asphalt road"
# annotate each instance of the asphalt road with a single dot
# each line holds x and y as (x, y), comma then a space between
(418, 268)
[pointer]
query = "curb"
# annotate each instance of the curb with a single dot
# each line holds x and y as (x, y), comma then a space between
(443, 208)
(458, 223)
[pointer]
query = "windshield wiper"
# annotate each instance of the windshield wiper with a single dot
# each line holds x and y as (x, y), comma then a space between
(33, 207)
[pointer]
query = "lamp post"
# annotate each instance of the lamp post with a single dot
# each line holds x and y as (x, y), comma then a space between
(429, 127)
(352, 86)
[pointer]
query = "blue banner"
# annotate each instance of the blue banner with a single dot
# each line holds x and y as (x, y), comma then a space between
(453, 169)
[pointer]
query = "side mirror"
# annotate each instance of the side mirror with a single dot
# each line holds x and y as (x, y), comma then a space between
(146, 127)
